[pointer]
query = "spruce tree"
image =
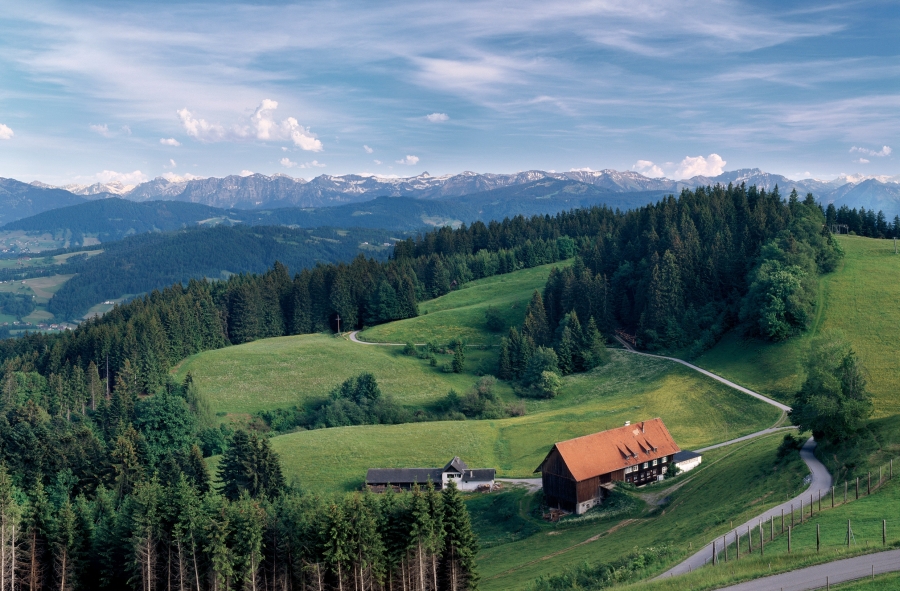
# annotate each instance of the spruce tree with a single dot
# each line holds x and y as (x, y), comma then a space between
(458, 567)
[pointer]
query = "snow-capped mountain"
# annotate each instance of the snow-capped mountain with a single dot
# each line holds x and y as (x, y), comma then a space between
(257, 191)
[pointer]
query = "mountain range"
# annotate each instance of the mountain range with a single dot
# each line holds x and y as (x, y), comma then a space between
(260, 192)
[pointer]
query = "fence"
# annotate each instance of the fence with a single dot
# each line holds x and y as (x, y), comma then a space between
(779, 530)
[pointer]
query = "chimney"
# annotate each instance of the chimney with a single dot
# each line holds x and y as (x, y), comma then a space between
(627, 423)
(642, 426)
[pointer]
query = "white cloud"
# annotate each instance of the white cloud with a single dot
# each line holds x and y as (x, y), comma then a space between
(377, 161)
(262, 126)
(647, 168)
(367, 149)
(169, 142)
(126, 178)
(247, 172)
(200, 129)
(585, 169)
(313, 164)
(885, 151)
(102, 129)
(437, 117)
(284, 149)
(5, 132)
(409, 160)
(861, 161)
(180, 178)
(268, 129)
(693, 166)
(286, 162)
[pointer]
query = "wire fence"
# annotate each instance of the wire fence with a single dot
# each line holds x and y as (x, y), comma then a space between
(779, 533)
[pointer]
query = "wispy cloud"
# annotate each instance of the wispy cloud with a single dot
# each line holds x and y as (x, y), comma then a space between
(367, 149)
(409, 160)
(5, 132)
(169, 142)
(437, 117)
(884, 151)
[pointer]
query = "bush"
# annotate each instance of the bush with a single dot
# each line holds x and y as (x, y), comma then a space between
(493, 320)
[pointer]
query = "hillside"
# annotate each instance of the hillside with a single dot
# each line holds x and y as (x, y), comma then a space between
(153, 261)
(860, 299)
(19, 200)
(266, 374)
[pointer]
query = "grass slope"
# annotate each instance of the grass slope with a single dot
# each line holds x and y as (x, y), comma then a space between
(862, 299)
(460, 314)
(284, 371)
(629, 388)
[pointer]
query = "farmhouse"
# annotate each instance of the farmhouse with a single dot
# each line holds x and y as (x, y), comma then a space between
(455, 471)
(577, 473)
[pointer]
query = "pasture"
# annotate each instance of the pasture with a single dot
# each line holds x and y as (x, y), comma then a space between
(862, 299)
(461, 313)
(630, 387)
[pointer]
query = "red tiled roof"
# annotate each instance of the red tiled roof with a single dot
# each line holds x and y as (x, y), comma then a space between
(608, 451)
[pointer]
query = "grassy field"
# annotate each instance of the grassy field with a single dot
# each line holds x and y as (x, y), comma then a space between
(733, 483)
(862, 299)
(460, 314)
(281, 372)
(629, 388)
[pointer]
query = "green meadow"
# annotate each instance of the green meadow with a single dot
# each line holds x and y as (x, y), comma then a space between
(862, 299)
(295, 370)
(461, 313)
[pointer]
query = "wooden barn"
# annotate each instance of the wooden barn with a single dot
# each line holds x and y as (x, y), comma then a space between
(467, 479)
(576, 473)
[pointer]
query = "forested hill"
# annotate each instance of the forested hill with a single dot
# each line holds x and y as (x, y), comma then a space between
(142, 263)
(678, 272)
(114, 218)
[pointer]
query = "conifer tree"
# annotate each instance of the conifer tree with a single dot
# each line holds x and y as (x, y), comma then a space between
(536, 327)
(458, 568)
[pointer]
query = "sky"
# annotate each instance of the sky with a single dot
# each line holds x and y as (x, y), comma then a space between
(128, 91)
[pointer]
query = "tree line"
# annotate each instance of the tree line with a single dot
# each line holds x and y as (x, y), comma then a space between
(110, 491)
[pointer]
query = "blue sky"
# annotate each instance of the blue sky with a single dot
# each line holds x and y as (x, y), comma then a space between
(130, 91)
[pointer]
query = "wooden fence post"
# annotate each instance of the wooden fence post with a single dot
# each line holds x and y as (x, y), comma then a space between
(868, 483)
(737, 543)
(818, 538)
(801, 511)
(771, 528)
(725, 546)
(715, 560)
(749, 540)
(832, 496)
(849, 533)
(857, 488)
(792, 515)
(884, 532)
(762, 541)
(789, 539)
(845, 491)
(782, 521)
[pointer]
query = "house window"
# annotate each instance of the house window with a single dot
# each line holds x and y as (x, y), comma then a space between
(645, 465)
(664, 460)
(654, 462)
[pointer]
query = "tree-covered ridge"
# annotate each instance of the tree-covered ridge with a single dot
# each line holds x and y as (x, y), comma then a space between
(681, 272)
(140, 264)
